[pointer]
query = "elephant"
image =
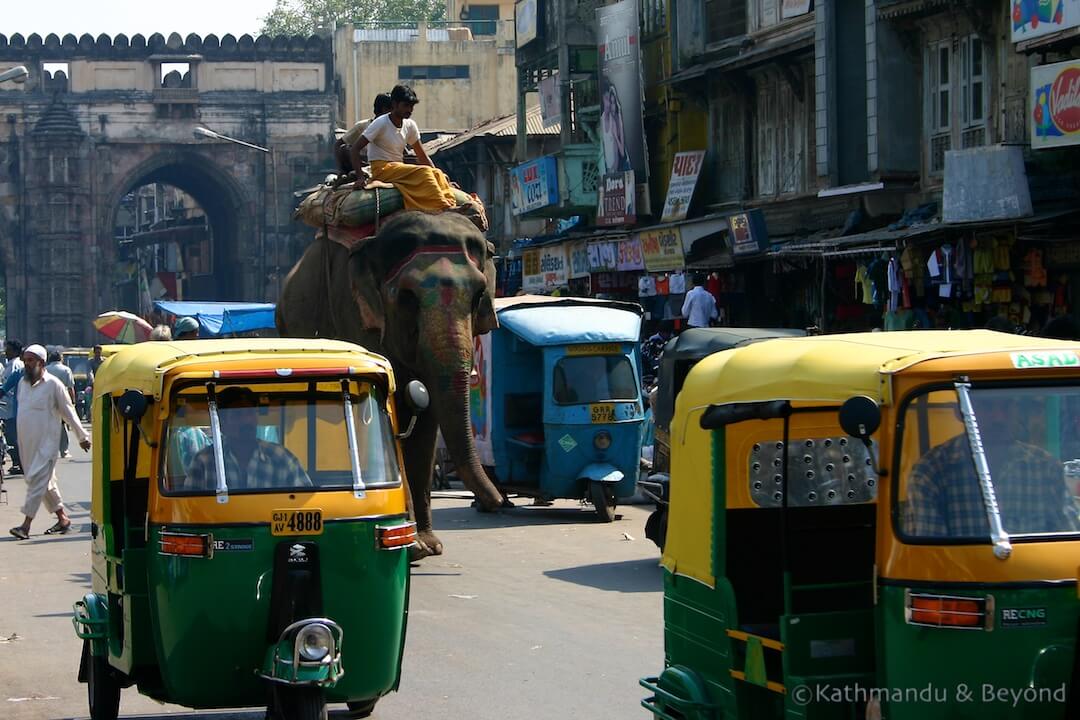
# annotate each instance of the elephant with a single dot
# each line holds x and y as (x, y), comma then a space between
(417, 293)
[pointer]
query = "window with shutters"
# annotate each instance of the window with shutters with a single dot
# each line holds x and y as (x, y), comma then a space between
(957, 98)
(724, 19)
(781, 137)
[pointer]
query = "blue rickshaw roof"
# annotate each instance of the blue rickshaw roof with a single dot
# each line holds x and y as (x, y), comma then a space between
(568, 322)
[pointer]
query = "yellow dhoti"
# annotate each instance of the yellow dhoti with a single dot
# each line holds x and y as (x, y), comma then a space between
(422, 187)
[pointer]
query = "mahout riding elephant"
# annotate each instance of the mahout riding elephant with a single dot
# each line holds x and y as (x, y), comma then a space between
(418, 293)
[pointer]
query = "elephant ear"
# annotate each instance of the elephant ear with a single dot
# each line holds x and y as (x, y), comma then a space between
(486, 320)
(367, 294)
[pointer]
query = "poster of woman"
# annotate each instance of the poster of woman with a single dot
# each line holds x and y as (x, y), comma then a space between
(621, 119)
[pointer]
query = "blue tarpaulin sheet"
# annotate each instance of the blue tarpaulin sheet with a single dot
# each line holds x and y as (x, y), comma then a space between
(222, 318)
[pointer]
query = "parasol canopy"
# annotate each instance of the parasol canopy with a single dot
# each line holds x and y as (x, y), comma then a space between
(122, 327)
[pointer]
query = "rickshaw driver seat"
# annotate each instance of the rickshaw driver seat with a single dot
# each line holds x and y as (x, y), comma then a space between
(251, 463)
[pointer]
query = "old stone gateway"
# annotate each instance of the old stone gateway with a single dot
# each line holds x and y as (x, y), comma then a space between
(110, 199)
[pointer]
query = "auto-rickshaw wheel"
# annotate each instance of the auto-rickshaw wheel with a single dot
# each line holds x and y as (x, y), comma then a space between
(298, 703)
(603, 499)
(102, 688)
(363, 708)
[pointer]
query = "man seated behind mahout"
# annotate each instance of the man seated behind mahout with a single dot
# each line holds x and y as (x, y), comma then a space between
(944, 498)
(266, 466)
(422, 186)
(342, 148)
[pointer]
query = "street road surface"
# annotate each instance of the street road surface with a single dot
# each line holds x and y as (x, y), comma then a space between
(534, 614)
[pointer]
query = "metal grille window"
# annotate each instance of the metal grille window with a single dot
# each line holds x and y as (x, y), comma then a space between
(433, 72)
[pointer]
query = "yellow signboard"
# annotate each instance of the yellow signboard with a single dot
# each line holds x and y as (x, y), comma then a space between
(662, 249)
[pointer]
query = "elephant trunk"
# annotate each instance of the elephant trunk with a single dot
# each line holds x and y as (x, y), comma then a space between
(451, 401)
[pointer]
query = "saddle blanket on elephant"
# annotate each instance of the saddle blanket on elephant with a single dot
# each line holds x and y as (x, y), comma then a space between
(363, 209)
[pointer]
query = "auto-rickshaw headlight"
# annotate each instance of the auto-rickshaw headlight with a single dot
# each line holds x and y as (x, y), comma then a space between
(314, 642)
(602, 440)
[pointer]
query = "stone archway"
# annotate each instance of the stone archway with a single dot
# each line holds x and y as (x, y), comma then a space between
(229, 208)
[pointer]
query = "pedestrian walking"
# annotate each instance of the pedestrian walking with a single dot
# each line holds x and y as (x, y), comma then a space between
(699, 307)
(95, 362)
(13, 371)
(62, 372)
(43, 401)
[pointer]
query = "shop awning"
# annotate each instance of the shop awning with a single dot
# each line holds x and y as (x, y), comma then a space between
(757, 54)
(853, 244)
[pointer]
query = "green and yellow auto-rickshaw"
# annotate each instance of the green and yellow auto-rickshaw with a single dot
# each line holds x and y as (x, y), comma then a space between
(879, 525)
(273, 573)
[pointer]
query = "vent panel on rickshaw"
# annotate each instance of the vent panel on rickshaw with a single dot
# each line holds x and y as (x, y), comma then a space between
(304, 419)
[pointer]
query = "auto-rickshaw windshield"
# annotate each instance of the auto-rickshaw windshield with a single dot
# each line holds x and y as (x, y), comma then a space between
(583, 379)
(1030, 437)
(295, 437)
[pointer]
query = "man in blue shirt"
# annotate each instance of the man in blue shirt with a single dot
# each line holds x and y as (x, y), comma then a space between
(13, 372)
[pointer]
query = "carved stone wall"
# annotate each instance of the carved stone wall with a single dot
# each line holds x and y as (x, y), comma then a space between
(98, 118)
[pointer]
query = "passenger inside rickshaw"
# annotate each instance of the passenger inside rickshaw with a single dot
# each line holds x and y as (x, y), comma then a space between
(1024, 432)
(288, 436)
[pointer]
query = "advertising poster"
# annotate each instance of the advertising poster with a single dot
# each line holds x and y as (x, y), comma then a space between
(603, 256)
(550, 106)
(525, 21)
(544, 268)
(622, 123)
(616, 206)
(748, 234)
(534, 185)
(480, 398)
(1035, 18)
(685, 169)
(579, 259)
(662, 249)
(1055, 105)
(630, 257)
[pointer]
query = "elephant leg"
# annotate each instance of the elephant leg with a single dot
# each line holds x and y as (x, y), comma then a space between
(419, 451)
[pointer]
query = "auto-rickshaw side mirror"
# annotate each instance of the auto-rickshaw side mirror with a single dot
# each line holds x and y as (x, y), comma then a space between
(418, 400)
(860, 417)
(416, 394)
(132, 405)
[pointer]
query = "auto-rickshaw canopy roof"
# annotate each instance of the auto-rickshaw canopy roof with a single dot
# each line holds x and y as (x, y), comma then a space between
(544, 321)
(696, 344)
(832, 368)
(144, 366)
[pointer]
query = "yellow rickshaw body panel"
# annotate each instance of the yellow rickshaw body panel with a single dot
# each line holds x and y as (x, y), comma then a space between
(825, 371)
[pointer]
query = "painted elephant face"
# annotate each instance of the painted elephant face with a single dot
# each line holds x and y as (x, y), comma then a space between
(429, 276)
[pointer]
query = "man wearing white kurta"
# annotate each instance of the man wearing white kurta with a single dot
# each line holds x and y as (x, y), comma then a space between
(43, 402)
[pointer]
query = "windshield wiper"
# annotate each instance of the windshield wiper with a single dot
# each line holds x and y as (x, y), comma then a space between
(222, 489)
(998, 536)
(354, 451)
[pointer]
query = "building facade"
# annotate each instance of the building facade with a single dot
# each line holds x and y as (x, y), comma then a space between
(101, 117)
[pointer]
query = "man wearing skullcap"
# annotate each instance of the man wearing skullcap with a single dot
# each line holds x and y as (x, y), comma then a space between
(187, 328)
(43, 401)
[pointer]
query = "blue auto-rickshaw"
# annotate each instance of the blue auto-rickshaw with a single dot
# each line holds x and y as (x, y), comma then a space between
(556, 399)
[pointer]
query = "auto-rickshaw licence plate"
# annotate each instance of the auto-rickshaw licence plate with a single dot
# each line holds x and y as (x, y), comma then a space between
(296, 522)
(601, 413)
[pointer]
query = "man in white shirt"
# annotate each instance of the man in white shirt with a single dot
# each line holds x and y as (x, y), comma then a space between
(699, 307)
(43, 401)
(422, 186)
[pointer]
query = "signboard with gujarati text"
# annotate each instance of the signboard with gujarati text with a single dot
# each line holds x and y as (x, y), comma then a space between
(685, 169)
(630, 257)
(579, 259)
(603, 256)
(534, 185)
(662, 249)
(544, 268)
(1055, 105)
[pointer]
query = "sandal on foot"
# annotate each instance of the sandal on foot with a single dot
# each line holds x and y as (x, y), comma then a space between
(19, 533)
(59, 529)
